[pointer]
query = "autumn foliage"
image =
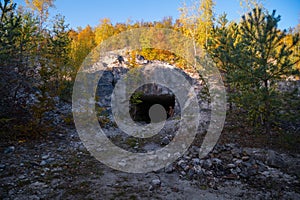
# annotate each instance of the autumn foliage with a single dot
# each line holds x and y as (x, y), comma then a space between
(41, 60)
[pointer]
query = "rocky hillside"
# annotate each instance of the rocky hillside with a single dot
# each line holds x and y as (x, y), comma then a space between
(60, 167)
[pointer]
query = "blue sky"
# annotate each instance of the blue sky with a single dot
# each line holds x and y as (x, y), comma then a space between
(84, 12)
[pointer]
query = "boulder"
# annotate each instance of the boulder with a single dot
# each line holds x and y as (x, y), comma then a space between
(274, 159)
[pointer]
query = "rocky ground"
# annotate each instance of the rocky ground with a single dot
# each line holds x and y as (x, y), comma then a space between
(60, 167)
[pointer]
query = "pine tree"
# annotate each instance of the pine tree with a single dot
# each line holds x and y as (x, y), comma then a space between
(59, 53)
(10, 24)
(221, 47)
(258, 59)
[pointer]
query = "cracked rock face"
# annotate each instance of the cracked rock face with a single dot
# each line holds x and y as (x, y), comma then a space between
(152, 93)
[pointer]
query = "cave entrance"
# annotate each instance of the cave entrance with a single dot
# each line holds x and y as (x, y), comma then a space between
(140, 111)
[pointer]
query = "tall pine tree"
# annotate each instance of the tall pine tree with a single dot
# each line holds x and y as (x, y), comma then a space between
(256, 59)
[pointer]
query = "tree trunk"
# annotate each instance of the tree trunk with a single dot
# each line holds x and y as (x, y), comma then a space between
(267, 111)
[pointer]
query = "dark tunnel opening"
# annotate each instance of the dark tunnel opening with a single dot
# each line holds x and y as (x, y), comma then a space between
(140, 112)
